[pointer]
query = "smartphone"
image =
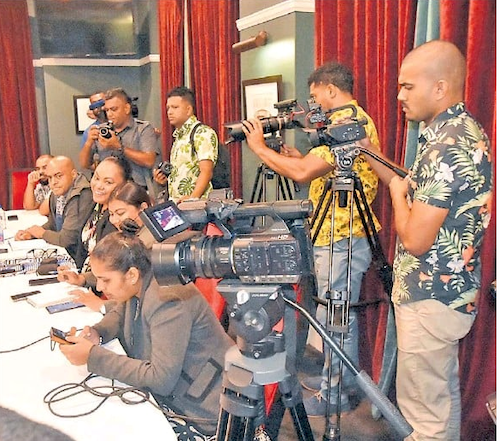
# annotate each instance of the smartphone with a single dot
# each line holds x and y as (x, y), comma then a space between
(59, 337)
(66, 306)
(23, 295)
(44, 281)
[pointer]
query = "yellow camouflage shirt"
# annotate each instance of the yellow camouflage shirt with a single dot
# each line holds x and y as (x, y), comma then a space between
(369, 181)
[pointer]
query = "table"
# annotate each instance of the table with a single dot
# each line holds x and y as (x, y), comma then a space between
(28, 374)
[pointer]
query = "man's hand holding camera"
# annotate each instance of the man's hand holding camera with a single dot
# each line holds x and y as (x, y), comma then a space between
(111, 143)
(93, 133)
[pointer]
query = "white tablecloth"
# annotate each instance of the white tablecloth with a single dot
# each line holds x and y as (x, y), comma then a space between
(27, 375)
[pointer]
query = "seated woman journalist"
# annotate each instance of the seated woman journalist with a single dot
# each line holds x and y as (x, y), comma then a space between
(124, 203)
(174, 344)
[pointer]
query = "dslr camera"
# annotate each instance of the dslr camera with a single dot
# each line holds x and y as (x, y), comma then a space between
(165, 167)
(106, 130)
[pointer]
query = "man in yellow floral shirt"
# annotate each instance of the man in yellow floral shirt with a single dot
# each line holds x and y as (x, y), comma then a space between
(331, 86)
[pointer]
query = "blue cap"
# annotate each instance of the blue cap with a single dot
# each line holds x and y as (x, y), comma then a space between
(97, 104)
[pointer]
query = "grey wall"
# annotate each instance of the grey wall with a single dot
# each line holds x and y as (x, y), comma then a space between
(289, 52)
(57, 84)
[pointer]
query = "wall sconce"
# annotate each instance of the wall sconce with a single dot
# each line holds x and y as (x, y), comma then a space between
(259, 40)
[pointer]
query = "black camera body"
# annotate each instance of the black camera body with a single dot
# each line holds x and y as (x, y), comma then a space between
(335, 134)
(281, 253)
(106, 130)
(165, 167)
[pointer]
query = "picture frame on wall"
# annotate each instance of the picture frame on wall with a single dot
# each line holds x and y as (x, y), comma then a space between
(260, 95)
(81, 107)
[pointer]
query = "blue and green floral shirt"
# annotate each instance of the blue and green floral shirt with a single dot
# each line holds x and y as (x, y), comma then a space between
(452, 170)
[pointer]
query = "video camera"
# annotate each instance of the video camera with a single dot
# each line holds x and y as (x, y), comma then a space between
(284, 120)
(334, 134)
(279, 254)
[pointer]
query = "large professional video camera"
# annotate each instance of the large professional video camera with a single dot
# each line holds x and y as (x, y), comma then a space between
(279, 254)
(317, 124)
(349, 130)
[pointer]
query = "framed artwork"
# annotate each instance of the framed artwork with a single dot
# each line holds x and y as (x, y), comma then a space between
(260, 95)
(81, 105)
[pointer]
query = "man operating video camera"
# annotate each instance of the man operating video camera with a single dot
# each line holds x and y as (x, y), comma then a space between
(331, 86)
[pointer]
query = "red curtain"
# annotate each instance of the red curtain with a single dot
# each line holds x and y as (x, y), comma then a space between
(18, 114)
(471, 25)
(372, 38)
(215, 70)
(171, 34)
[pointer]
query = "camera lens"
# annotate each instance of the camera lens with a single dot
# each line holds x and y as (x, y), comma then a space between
(165, 168)
(105, 132)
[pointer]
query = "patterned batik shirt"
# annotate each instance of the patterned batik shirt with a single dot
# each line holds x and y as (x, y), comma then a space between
(360, 168)
(41, 192)
(452, 170)
(185, 164)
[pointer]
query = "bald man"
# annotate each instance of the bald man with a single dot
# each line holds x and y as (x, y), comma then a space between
(70, 204)
(441, 210)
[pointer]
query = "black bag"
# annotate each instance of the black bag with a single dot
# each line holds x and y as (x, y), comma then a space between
(221, 177)
(47, 266)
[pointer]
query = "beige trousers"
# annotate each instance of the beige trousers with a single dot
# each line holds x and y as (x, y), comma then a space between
(427, 382)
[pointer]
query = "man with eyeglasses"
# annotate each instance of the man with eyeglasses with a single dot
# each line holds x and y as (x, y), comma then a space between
(70, 204)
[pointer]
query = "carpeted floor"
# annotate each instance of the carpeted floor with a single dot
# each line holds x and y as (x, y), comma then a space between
(355, 425)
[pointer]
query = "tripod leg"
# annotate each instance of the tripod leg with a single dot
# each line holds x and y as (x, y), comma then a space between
(286, 191)
(291, 395)
(242, 409)
(257, 189)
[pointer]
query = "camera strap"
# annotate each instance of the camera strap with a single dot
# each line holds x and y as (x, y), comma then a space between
(191, 137)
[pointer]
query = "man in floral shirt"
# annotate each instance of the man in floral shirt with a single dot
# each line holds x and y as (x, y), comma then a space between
(192, 164)
(441, 210)
(331, 86)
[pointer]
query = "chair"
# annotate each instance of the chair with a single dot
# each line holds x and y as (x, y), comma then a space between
(18, 179)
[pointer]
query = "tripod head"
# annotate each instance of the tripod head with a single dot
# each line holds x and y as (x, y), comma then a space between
(253, 312)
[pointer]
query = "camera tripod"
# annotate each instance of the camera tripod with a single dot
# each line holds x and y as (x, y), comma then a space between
(348, 188)
(255, 362)
(283, 191)
(282, 188)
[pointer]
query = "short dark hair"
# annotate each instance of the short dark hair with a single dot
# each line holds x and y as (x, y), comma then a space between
(120, 252)
(131, 193)
(333, 73)
(185, 93)
(118, 92)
